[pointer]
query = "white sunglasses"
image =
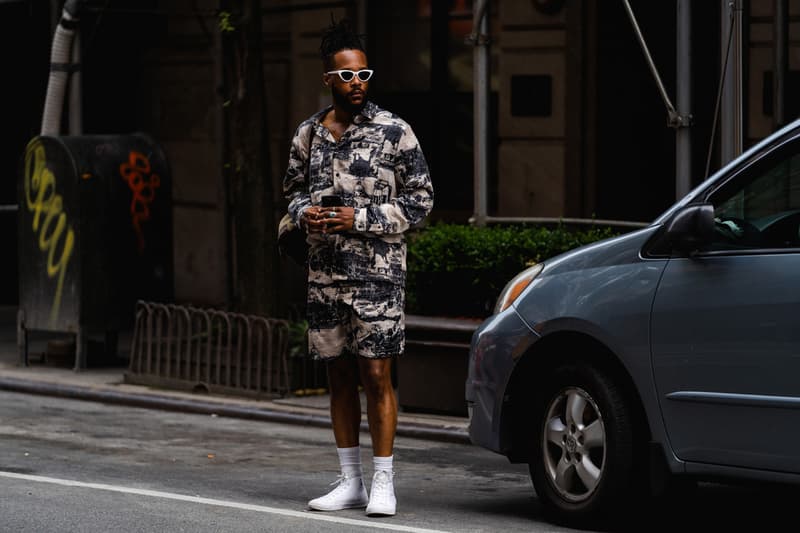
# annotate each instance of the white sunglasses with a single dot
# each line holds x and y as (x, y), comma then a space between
(346, 75)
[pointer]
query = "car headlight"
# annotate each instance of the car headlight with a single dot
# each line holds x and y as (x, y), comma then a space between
(515, 287)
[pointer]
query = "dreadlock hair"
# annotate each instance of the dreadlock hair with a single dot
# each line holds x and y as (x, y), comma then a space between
(337, 37)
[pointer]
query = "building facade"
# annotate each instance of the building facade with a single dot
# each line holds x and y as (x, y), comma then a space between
(577, 126)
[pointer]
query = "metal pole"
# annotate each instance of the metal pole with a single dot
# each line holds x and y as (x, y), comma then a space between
(780, 45)
(649, 59)
(681, 118)
(76, 88)
(739, 92)
(683, 136)
(561, 220)
(480, 73)
(731, 113)
(221, 130)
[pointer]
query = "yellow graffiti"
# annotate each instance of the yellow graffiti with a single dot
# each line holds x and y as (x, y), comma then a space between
(49, 219)
(136, 171)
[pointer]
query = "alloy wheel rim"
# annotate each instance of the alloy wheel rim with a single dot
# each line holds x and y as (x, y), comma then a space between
(574, 444)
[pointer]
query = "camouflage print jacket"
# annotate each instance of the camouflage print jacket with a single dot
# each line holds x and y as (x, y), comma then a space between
(378, 168)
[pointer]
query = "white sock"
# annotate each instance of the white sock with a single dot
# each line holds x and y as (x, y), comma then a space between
(383, 463)
(350, 461)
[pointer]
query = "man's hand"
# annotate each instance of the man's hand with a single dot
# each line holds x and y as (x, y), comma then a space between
(337, 219)
(328, 219)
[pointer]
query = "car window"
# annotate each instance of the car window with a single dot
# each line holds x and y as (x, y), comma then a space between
(760, 209)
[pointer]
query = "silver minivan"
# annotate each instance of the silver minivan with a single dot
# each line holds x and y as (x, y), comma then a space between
(665, 354)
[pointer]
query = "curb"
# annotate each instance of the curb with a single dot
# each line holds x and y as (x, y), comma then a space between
(155, 401)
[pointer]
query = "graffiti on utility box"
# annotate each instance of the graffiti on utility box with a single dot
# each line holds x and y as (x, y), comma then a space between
(143, 184)
(94, 230)
(50, 224)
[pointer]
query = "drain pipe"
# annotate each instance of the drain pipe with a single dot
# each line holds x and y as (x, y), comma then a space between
(60, 67)
(479, 38)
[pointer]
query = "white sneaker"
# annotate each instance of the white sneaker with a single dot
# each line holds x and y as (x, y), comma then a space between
(348, 493)
(382, 501)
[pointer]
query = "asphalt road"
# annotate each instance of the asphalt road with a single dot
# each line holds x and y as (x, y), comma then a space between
(77, 466)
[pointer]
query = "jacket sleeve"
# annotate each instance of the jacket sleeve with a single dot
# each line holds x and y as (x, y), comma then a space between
(296, 179)
(414, 198)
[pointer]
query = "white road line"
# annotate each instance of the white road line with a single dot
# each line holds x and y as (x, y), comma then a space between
(219, 503)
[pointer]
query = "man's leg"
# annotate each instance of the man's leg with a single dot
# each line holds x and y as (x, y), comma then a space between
(382, 417)
(345, 400)
(376, 378)
(346, 420)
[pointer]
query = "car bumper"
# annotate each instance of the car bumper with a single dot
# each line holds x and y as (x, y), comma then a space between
(495, 349)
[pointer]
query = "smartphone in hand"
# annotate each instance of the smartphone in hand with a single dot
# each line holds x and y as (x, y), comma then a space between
(331, 200)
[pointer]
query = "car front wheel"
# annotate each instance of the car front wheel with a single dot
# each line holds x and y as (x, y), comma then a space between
(583, 461)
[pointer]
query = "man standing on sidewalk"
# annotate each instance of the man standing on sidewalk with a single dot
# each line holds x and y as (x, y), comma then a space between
(369, 163)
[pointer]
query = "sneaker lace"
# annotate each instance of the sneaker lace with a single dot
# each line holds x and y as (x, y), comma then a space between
(340, 483)
(381, 482)
(339, 480)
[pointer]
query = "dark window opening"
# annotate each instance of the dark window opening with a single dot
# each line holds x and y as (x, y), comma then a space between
(531, 96)
(792, 105)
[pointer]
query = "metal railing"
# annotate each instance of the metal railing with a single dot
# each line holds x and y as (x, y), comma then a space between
(209, 350)
(561, 220)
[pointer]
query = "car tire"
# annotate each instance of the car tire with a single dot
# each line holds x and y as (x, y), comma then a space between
(583, 467)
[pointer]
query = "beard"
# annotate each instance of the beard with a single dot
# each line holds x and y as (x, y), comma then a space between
(342, 101)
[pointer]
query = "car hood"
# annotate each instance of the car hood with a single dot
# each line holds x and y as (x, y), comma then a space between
(594, 289)
(617, 250)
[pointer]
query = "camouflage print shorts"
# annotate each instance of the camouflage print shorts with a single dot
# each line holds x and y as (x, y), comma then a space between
(363, 318)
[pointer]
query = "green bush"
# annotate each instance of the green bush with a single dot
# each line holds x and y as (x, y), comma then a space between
(459, 270)
(298, 338)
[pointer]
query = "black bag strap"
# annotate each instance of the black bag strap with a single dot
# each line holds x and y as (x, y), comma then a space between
(308, 155)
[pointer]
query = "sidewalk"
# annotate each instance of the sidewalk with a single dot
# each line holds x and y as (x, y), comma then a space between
(105, 384)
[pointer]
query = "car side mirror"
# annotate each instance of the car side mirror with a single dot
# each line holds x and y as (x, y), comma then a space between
(691, 228)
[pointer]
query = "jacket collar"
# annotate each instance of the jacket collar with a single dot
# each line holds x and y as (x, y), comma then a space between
(368, 112)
